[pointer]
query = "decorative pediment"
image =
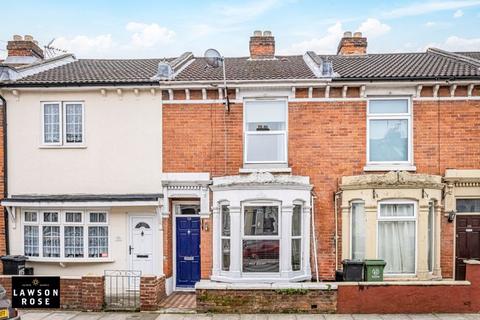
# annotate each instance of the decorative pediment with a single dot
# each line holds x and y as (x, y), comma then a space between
(392, 179)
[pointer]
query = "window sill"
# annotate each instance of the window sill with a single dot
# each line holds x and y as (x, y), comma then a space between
(392, 167)
(271, 170)
(73, 260)
(81, 146)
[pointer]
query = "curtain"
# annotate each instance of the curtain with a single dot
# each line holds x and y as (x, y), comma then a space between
(397, 238)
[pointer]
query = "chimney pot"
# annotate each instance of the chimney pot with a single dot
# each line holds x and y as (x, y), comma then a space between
(17, 38)
(23, 50)
(352, 45)
(28, 37)
(262, 45)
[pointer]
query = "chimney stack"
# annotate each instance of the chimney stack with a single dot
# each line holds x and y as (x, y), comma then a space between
(262, 45)
(356, 44)
(23, 50)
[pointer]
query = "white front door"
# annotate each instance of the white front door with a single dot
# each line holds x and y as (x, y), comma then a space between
(141, 246)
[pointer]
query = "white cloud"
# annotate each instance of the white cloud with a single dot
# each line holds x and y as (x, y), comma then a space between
(97, 46)
(454, 43)
(430, 24)
(148, 35)
(373, 28)
(326, 44)
(421, 8)
(458, 13)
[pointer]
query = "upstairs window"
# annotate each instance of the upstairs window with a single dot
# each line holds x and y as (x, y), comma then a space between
(265, 131)
(62, 123)
(389, 131)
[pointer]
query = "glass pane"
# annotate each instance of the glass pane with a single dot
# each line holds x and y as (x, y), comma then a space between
(98, 217)
(396, 245)
(388, 106)
(431, 236)
(397, 210)
(296, 254)
(358, 231)
(51, 241)
(73, 217)
(261, 255)
(225, 254)
(261, 221)
(73, 123)
(265, 115)
(142, 225)
(51, 123)
(189, 209)
(30, 244)
(468, 205)
(73, 237)
(388, 140)
(98, 242)
(297, 221)
(31, 216)
(265, 147)
(50, 217)
(225, 221)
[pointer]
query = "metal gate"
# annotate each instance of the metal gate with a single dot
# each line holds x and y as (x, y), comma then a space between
(122, 289)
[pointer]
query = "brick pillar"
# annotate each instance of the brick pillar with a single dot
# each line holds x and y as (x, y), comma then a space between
(473, 275)
(152, 292)
(93, 293)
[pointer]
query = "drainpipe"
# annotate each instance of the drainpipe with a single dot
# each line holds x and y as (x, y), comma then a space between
(5, 172)
(336, 196)
(314, 237)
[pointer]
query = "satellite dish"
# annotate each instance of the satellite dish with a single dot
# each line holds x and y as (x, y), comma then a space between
(213, 58)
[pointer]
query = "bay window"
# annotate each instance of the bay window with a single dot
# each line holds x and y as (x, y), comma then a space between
(65, 234)
(389, 123)
(265, 130)
(397, 236)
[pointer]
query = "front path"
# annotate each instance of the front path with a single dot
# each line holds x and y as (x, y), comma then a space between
(67, 315)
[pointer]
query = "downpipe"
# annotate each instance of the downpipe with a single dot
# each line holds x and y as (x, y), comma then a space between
(336, 196)
(314, 236)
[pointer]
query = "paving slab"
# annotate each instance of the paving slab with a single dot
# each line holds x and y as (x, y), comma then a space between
(338, 317)
(366, 317)
(226, 317)
(310, 317)
(33, 315)
(170, 317)
(395, 317)
(88, 316)
(422, 317)
(451, 316)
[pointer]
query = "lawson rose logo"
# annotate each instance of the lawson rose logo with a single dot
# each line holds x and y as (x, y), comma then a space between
(35, 292)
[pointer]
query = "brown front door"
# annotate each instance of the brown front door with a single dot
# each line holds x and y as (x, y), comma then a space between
(468, 242)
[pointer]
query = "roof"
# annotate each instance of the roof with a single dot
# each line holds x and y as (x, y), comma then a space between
(385, 66)
(433, 64)
(85, 198)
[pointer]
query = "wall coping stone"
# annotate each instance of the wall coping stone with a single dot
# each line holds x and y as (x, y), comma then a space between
(407, 283)
(212, 285)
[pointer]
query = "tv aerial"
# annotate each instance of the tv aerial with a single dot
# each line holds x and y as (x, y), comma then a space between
(215, 60)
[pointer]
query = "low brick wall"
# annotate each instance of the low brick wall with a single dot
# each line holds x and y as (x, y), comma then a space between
(292, 298)
(413, 297)
(152, 292)
(76, 293)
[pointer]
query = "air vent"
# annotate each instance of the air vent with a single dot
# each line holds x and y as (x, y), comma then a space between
(164, 71)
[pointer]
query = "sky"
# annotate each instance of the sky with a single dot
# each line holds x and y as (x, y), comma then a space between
(156, 29)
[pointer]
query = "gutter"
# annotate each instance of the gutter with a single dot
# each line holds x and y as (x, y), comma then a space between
(5, 172)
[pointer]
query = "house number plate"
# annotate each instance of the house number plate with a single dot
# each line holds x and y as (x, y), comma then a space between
(188, 258)
(468, 230)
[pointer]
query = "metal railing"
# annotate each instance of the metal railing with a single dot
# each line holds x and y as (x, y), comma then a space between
(122, 289)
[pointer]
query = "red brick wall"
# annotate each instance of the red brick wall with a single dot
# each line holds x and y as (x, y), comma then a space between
(327, 140)
(70, 294)
(152, 292)
(93, 292)
(412, 298)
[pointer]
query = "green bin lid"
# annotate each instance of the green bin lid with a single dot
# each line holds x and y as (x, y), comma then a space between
(375, 262)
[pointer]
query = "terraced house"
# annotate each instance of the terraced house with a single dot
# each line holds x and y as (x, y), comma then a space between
(142, 165)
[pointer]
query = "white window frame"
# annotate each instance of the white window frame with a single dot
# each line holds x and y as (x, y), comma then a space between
(278, 237)
(62, 224)
(391, 116)
(63, 124)
(413, 218)
(351, 225)
(222, 237)
(300, 237)
(276, 132)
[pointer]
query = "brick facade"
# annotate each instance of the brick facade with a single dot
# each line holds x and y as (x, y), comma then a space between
(152, 292)
(326, 140)
(93, 293)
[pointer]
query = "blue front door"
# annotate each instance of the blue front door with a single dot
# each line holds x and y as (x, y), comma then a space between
(188, 251)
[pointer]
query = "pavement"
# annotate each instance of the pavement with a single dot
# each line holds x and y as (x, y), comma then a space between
(72, 315)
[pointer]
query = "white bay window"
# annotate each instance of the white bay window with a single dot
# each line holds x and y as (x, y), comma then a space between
(65, 234)
(265, 131)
